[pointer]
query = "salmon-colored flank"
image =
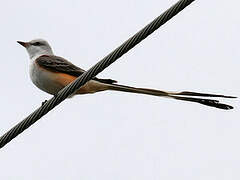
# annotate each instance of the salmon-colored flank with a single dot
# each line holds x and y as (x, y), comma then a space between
(64, 79)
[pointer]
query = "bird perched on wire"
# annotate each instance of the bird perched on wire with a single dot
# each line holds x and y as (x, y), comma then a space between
(51, 73)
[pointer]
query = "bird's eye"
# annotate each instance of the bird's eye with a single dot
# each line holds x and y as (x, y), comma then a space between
(37, 44)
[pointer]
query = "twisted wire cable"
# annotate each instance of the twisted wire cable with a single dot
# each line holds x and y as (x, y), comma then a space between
(92, 72)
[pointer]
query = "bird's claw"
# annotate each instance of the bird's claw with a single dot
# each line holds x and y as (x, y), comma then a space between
(44, 102)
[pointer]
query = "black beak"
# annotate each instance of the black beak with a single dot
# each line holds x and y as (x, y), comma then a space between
(24, 44)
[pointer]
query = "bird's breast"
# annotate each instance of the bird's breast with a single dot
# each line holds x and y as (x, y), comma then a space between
(44, 79)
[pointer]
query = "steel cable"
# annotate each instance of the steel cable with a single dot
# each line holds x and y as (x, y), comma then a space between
(92, 72)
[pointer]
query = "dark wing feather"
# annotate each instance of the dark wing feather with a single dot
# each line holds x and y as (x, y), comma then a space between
(59, 64)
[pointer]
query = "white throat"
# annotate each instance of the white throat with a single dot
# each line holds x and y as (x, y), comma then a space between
(34, 56)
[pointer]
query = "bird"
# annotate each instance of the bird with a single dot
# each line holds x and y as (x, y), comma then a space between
(51, 73)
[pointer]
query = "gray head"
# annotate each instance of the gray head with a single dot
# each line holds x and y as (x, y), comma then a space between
(37, 47)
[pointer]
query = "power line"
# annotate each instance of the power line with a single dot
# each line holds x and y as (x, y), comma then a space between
(92, 72)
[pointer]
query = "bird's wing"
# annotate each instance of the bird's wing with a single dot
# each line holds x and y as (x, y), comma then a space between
(59, 64)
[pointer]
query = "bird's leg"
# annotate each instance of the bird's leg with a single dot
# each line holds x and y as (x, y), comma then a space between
(44, 102)
(55, 95)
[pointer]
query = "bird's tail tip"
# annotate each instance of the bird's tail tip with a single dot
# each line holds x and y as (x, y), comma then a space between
(216, 104)
(207, 102)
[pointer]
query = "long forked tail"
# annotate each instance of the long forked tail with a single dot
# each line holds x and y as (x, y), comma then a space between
(184, 96)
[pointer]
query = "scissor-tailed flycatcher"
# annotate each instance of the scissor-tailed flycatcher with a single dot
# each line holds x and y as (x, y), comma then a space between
(51, 73)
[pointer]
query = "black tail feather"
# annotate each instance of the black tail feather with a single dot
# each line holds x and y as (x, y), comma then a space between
(189, 93)
(207, 102)
(107, 81)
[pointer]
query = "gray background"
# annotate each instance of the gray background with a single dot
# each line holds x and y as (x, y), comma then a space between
(113, 135)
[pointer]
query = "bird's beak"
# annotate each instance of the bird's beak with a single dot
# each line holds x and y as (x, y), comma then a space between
(24, 44)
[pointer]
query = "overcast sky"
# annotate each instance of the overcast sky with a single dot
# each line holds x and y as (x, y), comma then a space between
(114, 135)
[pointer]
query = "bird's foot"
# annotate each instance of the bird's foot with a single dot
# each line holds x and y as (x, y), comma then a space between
(44, 102)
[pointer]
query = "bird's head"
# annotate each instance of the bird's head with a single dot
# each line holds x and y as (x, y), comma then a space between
(37, 47)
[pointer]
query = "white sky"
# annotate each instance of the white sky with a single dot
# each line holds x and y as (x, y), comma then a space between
(111, 135)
